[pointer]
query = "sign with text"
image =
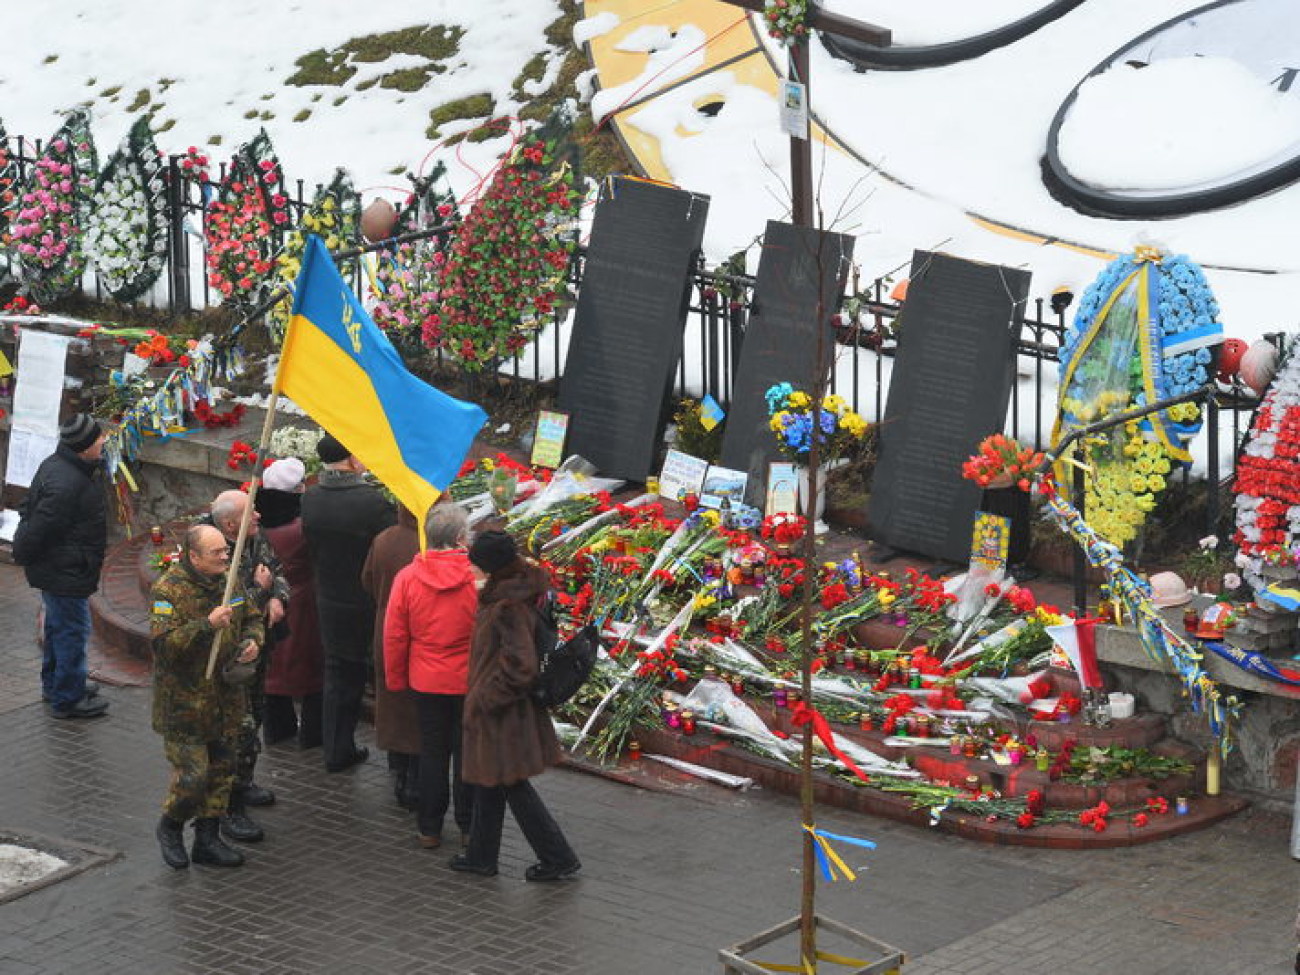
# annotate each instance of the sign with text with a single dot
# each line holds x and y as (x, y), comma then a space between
(548, 441)
(801, 274)
(950, 389)
(627, 331)
(682, 474)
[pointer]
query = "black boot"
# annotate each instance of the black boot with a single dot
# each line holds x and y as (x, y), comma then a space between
(256, 795)
(208, 846)
(171, 840)
(236, 824)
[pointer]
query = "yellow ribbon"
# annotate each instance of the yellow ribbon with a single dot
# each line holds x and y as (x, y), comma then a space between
(808, 968)
(832, 859)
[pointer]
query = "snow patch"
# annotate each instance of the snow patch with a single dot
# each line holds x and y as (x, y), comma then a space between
(1199, 120)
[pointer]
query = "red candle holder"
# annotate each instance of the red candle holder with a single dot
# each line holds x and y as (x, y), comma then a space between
(688, 722)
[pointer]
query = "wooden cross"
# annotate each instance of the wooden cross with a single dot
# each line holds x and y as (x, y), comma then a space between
(801, 209)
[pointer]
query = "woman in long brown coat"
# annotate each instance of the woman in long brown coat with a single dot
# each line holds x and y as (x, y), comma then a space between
(508, 738)
(295, 669)
(397, 726)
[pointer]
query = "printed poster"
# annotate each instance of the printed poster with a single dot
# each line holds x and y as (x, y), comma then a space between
(548, 442)
(991, 540)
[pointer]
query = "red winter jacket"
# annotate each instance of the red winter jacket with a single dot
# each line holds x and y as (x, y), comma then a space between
(429, 622)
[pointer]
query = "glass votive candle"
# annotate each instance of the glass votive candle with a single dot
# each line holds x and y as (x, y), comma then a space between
(1180, 805)
(780, 697)
(672, 717)
(634, 751)
(688, 722)
(652, 485)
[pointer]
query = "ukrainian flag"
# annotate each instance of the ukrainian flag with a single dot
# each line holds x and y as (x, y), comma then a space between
(339, 366)
(1283, 597)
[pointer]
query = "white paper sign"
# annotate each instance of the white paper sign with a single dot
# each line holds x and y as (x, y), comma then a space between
(682, 474)
(42, 358)
(26, 451)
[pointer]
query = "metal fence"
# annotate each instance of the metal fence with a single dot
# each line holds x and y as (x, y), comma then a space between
(718, 311)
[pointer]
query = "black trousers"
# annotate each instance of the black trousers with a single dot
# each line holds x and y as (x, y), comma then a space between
(439, 716)
(535, 822)
(345, 682)
(281, 721)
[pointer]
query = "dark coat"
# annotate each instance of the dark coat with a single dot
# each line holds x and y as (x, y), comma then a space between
(341, 516)
(60, 540)
(297, 661)
(507, 737)
(397, 726)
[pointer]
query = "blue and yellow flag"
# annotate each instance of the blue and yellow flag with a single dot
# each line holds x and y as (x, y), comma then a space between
(340, 367)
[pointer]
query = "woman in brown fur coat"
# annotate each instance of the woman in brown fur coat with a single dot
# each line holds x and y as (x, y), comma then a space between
(508, 738)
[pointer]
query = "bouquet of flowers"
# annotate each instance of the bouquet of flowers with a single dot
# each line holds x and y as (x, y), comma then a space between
(783, 529)
(796, 420)
(1002, 462)
(787, 20)
(127, 240)
(505, 271)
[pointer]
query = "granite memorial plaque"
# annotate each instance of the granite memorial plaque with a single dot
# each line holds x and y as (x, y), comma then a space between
(950, 389)
(627, 331)
(801, 275)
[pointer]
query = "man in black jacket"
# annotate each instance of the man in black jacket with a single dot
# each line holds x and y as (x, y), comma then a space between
(60, 543)
(341, 515)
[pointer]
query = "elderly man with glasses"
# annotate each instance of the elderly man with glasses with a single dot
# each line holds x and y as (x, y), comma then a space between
(199, 717)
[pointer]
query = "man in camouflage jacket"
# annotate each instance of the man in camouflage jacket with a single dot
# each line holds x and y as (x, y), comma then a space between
(263, 578)
(199, 717)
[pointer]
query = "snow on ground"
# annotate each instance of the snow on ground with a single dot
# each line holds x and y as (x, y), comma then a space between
(226, 60)
(21, 865)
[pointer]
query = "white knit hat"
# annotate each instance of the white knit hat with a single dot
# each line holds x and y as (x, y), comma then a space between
(285, 474)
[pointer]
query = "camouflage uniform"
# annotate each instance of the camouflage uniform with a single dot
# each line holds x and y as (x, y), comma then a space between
(257, 551)
(199, 718)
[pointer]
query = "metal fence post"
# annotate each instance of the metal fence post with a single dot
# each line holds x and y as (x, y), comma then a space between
(1212, 465)
(1077, 489)
(178, 247)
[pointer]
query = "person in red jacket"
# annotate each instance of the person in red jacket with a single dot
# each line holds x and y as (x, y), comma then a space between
(427, 631)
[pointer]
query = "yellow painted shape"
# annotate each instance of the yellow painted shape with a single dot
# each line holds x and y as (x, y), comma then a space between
(729, 34)
(714, 18)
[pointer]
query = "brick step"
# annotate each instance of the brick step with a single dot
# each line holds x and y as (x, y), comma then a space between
(705, 749)
(119, 612)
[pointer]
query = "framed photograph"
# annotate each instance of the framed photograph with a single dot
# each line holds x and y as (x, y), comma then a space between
(782, 488)
(723, 484)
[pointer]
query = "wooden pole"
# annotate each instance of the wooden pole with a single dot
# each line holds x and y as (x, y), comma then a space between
(801, 186)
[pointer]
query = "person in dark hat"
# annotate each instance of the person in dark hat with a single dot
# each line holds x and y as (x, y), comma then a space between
(60, 545)
(341, 515)
(507, 737)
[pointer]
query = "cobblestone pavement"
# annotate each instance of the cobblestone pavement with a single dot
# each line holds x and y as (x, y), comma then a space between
(339, 885)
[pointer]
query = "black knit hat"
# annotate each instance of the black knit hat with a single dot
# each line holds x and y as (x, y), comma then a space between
(330, 451)
(493, 551)
(78, 432)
